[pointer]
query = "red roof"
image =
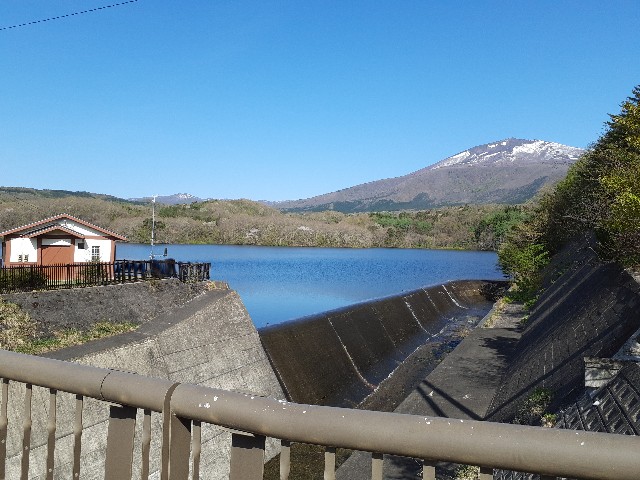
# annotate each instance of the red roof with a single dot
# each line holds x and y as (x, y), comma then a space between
(52, 223)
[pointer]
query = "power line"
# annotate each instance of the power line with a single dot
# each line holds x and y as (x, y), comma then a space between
(68, 15)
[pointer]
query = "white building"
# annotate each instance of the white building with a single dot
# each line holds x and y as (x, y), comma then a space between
(62, 239)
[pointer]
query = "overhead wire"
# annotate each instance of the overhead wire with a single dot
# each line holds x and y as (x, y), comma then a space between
(67, 15)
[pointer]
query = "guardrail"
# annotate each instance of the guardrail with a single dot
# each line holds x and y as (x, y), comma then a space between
(51, 277)
(184, 408)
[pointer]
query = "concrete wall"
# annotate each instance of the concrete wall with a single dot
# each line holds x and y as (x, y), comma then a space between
(588, 311)
(209, 341)
(339, 357)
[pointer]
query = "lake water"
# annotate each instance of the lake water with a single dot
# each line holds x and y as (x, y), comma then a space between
(278, 284)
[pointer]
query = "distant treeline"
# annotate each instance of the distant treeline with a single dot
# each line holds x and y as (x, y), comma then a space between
(244, 222)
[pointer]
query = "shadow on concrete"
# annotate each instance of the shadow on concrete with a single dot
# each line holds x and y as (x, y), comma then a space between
(426, 385)
(566, 386)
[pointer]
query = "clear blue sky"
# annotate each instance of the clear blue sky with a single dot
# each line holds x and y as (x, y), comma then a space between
(290, 99)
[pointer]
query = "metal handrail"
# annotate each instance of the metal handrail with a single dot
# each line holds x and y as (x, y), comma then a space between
(556, 452)
(548, 451)
(104, 384)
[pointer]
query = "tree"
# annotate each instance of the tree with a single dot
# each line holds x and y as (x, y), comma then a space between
(601, 193)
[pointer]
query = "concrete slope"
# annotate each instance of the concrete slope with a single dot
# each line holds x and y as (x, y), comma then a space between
(209, 341)
(589, 311)
(339, 357)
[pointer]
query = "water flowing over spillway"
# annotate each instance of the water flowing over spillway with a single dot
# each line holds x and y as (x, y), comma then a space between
(339, 357)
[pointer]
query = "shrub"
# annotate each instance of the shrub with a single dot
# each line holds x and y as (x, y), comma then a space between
(533, 411)
(467, 472)
(524, 265)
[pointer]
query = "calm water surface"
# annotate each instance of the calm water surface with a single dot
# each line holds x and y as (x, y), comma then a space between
(283, 283)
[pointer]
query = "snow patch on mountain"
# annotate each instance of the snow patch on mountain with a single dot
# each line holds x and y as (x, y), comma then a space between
(512, 151)
(175, 199)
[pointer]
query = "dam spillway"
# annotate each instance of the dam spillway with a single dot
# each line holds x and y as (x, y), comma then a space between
(339, 357)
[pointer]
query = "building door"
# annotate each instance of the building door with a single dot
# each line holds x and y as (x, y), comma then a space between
(56, 254)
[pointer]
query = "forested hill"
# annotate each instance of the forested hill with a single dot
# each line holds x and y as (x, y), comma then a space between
(244, 222)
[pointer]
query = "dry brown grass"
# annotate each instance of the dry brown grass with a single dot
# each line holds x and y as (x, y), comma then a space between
(18, 332)
(17, 329)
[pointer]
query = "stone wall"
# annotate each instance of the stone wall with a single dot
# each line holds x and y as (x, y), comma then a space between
(208, 341)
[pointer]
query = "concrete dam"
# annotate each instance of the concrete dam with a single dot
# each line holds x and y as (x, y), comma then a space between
(336, 358)
(340, 357)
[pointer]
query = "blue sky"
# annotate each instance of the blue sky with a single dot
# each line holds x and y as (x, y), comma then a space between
(284, 100)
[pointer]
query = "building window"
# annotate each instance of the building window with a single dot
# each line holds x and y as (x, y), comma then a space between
(95, 253)
(20, 258)
(26, 257)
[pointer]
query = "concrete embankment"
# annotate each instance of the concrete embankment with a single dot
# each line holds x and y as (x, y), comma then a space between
(208, 338)
(339, 357)
(208, 341)
(590, 310)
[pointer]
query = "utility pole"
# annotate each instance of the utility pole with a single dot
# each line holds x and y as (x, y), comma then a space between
(153, 224)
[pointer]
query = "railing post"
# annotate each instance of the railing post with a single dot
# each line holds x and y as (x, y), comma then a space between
(247, 457)
(485, 473)
(180, 445)
(4, 421)
(196, 447)
(26, 433)
(120, 436)
(77, 436)
(285, 459)
(376, 466)
(145, 444)
(51, 433)
(166, 433)
(329, 463)
(428, 470)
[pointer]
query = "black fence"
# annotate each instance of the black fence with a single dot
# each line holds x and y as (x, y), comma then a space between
(51, 277)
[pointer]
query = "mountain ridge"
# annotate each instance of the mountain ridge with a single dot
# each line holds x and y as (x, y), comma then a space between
(173, 199)
(507, 171)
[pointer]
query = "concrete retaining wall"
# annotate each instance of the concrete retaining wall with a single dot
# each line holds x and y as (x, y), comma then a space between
(209, 341)
(339, 357)
(588, 311)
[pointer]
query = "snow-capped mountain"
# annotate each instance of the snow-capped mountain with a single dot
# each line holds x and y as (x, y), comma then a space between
(508, 171)
(513, 150)
(175, 199)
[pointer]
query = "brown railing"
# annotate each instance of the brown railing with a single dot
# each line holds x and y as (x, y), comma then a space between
(186, 409)
(50, 277)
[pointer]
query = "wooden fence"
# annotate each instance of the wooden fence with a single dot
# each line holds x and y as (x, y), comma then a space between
(51, 277)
